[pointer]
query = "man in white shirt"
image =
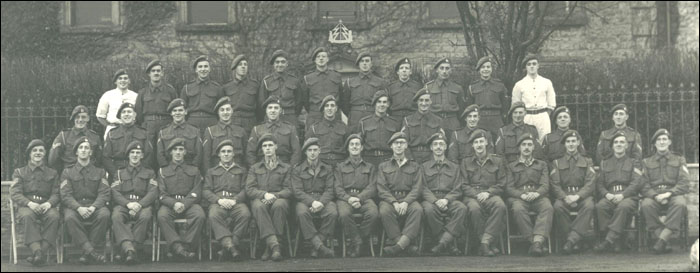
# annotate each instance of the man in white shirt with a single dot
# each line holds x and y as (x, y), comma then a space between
(538, 95)
(111, 100)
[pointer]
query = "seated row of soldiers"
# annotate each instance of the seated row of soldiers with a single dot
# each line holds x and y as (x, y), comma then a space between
(469, 193)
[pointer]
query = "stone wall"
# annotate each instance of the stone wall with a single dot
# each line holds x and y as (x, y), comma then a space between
(689, 29)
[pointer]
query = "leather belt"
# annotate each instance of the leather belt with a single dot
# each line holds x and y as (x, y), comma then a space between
(133, 197)
(178, 197)
(535, 112)
(616, 188)
(156, 117)
(447, 115)
(421, 148)
(400, 193)
(353, 191)
(376, 153)
(332, 156)
(664, 187)
(36, 198)
(200, 114)
(361, 107)
(316, 193)
(479, 188)
(489, 111)
(529, 188)
(227, 194)
(572, 189)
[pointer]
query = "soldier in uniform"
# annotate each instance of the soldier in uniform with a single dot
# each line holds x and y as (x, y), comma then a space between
(134, 193)
(179, 129)
(441, 196)
(152, 105)
(489, 94)
(618, 187)
(114, 155)
(484, 176)
(620, 114)
(84, 193)
(552, 145)
(267, 185)
(61, 156)
(356, 188)
(377, 129)
(224, 188)
(419, 126)
(572, 188)
(359, 90)
(287, 140)
(460, 147)
(527, 186)
(201, 95)
(447, 96)
(312, 183)
(226, 129)
(400, 186)
(665, 182)
(402, 91)
(35, 192)
(319, 84)
(180, 187)
(506, 143)
(244, 97)
(285, 86)
(331, 132)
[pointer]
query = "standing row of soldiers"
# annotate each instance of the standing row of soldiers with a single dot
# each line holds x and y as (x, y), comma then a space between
(419, 167)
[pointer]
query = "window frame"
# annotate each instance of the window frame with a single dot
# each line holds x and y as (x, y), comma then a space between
(183, 24)
(316, 23)
(427, 23)
(67, 20)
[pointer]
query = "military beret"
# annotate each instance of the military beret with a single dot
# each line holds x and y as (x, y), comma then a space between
(620, 106)
(77, 110)
(443, 60)
(277, 53)
(378, 95)
(34, 143)
(316, 51)
(524, 137)
(175, 103)
(79, 141)
(178, 141)
(400, 62)
(118, 73)
(560, 109)
(237, 60)
(658, 133)
(396, 136)
(478, 133)
(221, 102)
(528, 57)
(616, 135)
(514, 106)
(152, 64)
(308, 142)
(569, 133)
(271, 99)
(134, 145)
(325, 100)
(222, 144)
(469, 109)
(482, 61)
(124, 105)
(351, 137)
(436, 136)
(199, 59)
(362, 55)
(266, 137)
(421, 92)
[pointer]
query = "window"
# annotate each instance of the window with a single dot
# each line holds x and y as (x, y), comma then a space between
(667, 17)
(558, 10)
(332, 11)
(92, 16)
(205, 16)
(442, 10)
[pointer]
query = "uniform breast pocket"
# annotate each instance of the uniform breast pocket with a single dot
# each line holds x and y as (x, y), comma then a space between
(141, 185)
(212, 93)
(94, 180)
(672, 169)
(431, 178)
(511, 141)
(369, 127)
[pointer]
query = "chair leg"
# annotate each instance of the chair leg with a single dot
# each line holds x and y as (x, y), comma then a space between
(466, 242)
(420, 242)
(371, 245)
(343, 237)
(508, 231)
(381, 244)
(153, 241)
(289, 240)
(296, 243)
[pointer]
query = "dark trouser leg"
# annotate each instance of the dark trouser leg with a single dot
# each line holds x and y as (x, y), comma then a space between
(217, 220)
(279, 211)
(262, 216)
(122, 231)
(195, 222)
(241, 219)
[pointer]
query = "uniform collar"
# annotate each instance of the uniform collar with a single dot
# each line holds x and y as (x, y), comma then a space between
(272, 163)
(82, 131)
(404, 83)
(659, 155)
(441, 82)
(573, 156)
(355, 161)
(481, 163)
(527, 162)
(177, 164)
(322, 72)
(203, 81)
(131, 169)
(32, 166)
(179, 125)
(398, 162)
(364, 75)
(223, 125)
(233, 164)
(80, 167)
(270, 123)
(237, 81)
(438, 163)
(154, 88)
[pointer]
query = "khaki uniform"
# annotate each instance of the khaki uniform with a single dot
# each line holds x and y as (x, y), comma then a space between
(418, 128)
(490, 95)
(634, 143)
(152, 110)
(487, 176)
(244, 101)
(661, 174)
(114, 154)
(460, 148)
(524, 177)
(552, 148)
(331, 136)
(507, 141)
(400, 184)
(62, 157)
(38, 184)
(200, 97)
(288, 89)
(271, 218)
(133, 184)
(573, 175)
(442, 181)
(193, 143)
(310, 185)
(218, 133)
(357, 179)
(227, 183)
(358, 96)
(375, 132)
(180, 183)
(617, 176)
(401, 94)
(448, 102)
(85, 186)
(288, 148)
(317, 85)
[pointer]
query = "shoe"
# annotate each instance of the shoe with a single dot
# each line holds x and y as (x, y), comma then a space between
(38, 259)
(454, 251)
(536, 249)
(495, 250)
(326, 252)
(438, 248)
(185, 254)
(235, 254)
(84, 259)
(276, 254)
(355, 249)
(661, 247)
(603, 247)
(392, 250)
(266, 254)
(130, 257)
(412, 250)
(96, 257)
(485, 251)
(568, 248)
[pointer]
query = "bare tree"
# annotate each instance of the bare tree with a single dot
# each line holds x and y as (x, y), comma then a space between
(508, 30)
